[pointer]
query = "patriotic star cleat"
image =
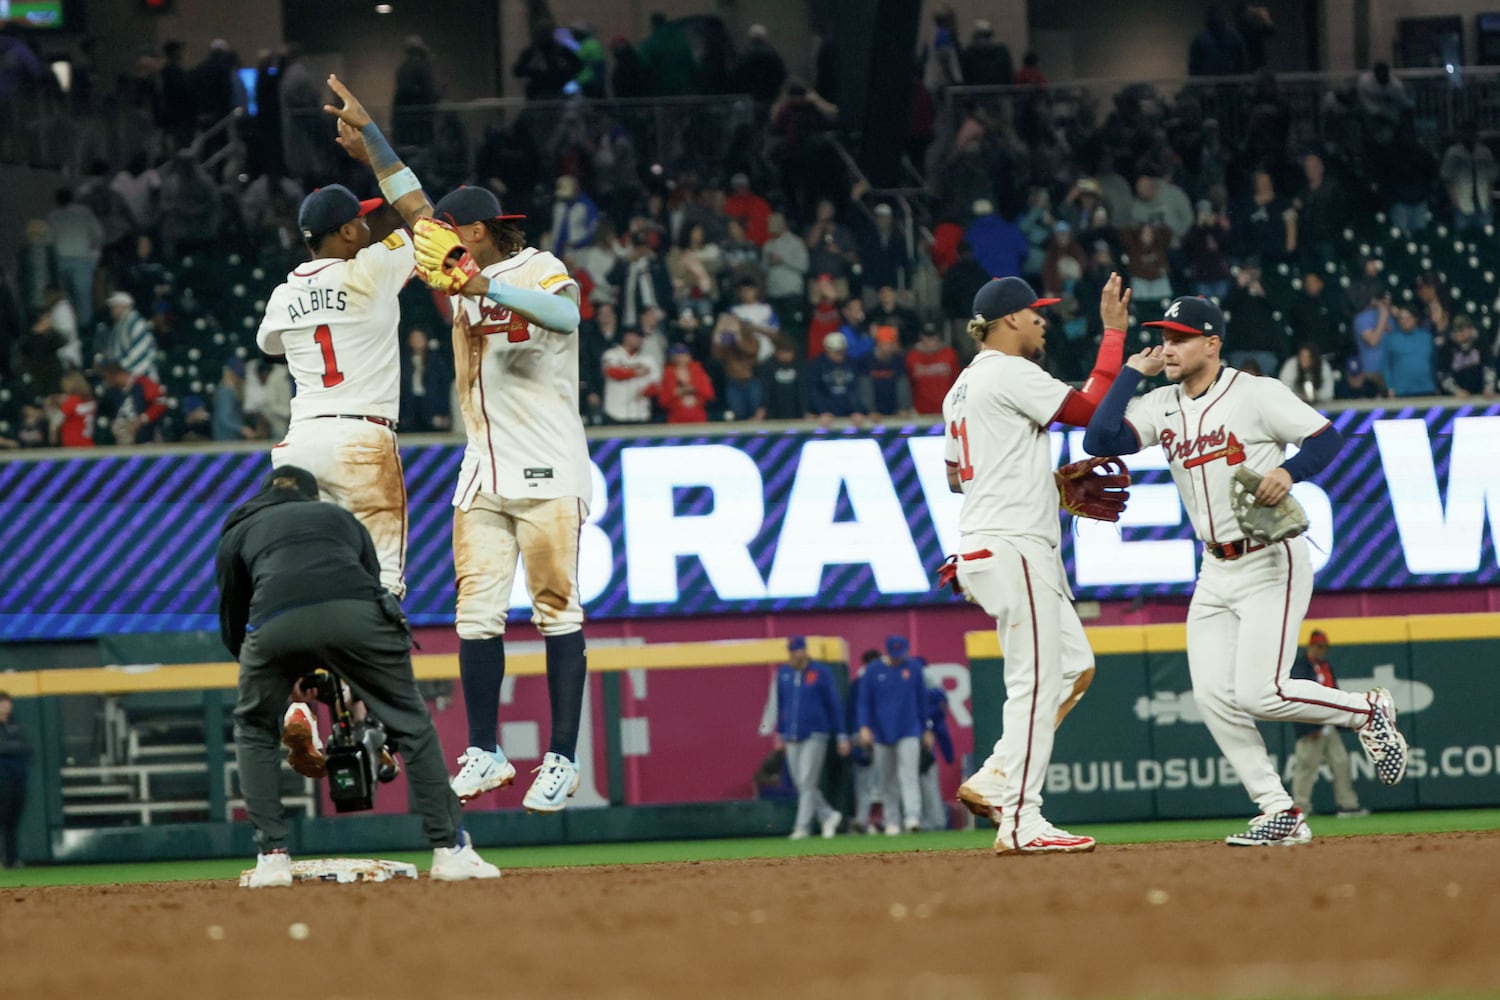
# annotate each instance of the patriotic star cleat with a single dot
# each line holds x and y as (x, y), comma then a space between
(1383, 742)
(1281, 829)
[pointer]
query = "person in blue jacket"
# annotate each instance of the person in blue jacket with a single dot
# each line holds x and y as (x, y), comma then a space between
(937, 740)
(866, 781)
(808, 710)
(892, 718)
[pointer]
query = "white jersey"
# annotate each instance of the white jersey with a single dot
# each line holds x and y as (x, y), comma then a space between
(518, 389)
(1241, 420)
(996, 416)
(335, 320)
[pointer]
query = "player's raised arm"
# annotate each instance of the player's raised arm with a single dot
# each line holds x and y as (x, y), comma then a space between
(362, 139)
(1114, 310)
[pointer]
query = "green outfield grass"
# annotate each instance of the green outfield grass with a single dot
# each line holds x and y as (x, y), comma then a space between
(577, 855)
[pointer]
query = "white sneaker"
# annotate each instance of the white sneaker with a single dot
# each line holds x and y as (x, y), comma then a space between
(556, 781)
(460, 863)
(481, 771)
(299, 734)
(892, 830)
(830, 826)
(913, 825)
(272, 871)
(981, 792)
(798, 835)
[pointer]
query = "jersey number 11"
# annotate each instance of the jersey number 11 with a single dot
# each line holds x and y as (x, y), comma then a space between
(331, 374)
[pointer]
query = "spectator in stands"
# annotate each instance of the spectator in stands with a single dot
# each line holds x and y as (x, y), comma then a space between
(628, 375)
(1383, 102)
(807, 711)
(986, 62)
(1266, 227)
(641, 281)
(1217, 50)
(1371, 326)
(785, 259)
(933, 367)
(189, 206)
(214, 84)
(1432, 304)
(1159, 202)
(883, 256)
(1465, 366)
(1062, 245)
(1030, 74)
(666, 56)
(653, 331)
(35, 266)
(1357, 383)
(15, 762)
(1315, 319)
(142, 273)
(888, 311)
(106, 203)
(1367, 286)
(52, 346)
(856, 330)
(1077, 209)
(1407, 179)
(685, 390)
(546, 64)
(826, 317)
(798, 147)
(833, 383)
(1322, 213)
(886, 384)
(741, 257)
(77, 240)
(1308, 375)
(1254, 330)
(267, 400)
(72, 412)
(783, 381)
(1150, 269)
(1036, 224)
(575, 217)
(999, 246)
(944, 60)
(194, 423)
(1469, 172)
(832, 248)
(32, 429)
(1255, 27)
(695, 265)
(133, 405)
(415, 95)
(1205, 250)
(760, 72)
(128, 340)
(892, 718)
(757, 314)
(304, 135)
(737, 347)
(426, 377)
(178, 115)
(1409, 356)
(628, 78)
(229, 410)
(269, 206)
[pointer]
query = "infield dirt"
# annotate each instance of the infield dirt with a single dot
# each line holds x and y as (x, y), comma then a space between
(1366, 916)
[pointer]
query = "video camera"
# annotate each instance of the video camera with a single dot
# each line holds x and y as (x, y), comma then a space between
(358, 751)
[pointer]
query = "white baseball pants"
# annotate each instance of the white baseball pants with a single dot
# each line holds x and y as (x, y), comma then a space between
(358, 466)
(1242, 640)
(487, 540)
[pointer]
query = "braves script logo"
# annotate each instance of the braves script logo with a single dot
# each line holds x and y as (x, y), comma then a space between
(1204, 448)
(498, 319)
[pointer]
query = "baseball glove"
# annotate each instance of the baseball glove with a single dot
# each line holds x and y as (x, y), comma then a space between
(1095, 488)
(442, 261)
(1261, 523)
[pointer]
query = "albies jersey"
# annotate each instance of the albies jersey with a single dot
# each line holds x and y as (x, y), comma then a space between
(335, 320)
(518, 390)
(1241, 420)
(996, 417)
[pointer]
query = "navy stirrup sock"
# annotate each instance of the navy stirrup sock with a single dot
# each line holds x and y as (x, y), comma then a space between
(481, 666)
(567, 678)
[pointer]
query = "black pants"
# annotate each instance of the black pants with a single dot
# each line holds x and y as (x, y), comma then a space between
(12, 802)
(357, 642)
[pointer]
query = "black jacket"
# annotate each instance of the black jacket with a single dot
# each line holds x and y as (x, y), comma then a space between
(282, 550)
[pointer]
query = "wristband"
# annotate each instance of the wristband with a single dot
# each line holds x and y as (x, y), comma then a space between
(403, 182)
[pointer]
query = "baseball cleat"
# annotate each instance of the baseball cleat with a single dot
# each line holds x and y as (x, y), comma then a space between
(980, 793)
(272, 871)
(299, 734)
(830, 826)
(460, 863)
(556, 781)
(1283, 829)
(1353, 813)
(1383, 742)
(1052, 841)
(798, 835)
(481, 771)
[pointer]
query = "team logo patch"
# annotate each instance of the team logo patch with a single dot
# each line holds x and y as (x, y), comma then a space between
(537, 473)
(553, 280)
(395, 241)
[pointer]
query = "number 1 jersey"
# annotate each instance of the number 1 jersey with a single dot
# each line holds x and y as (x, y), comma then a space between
(336, 322)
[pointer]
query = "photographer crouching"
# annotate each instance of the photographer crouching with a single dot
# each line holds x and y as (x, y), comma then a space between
(299, 590)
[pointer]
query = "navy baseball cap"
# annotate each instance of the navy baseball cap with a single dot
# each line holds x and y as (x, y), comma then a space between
(329, 207)
(795, 643)
(895, 645)
(466, 205)
(1002, 296)
(1192, 314)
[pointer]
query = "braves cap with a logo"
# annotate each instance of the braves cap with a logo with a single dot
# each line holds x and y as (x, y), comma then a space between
(1192, 314)
(328, 208)
(467, 205)
(1002, 296)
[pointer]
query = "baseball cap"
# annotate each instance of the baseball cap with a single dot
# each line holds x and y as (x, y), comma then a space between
(1318, 636)
(884, 209)
(1192, 314)
(896, 645)
(676, 349)
(120, 299)
(466, 205)
(328, 208)
(236, 365)
(740, 180)
(1352, 366)
(1002, 296)
(835, 342)
(795, 643)
(885, 335)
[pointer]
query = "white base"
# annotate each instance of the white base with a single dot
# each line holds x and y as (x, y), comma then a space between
(344, 871)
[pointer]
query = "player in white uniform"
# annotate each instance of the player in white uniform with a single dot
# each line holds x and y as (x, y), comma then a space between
(1009, 562)
(524, 486)
(1250, 598)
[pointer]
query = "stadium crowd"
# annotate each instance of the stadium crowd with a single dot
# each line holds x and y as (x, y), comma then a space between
(739, 268)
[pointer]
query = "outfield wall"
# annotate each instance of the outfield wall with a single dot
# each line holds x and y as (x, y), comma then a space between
(1136, 748)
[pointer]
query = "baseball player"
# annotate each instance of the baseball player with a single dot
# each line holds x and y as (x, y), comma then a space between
(525, 483)
(1249, 601)
(999, 458)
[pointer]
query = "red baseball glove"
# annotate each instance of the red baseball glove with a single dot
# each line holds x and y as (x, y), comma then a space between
(1095, 488)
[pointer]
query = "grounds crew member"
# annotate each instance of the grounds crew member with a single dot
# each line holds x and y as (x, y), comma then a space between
(299, 590)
